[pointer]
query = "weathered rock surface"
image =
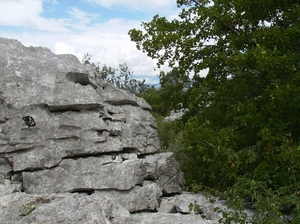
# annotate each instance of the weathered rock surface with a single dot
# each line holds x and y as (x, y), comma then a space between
(75, 113)
(90, 157)
(159, 218)
(139, 198)
(61, 208)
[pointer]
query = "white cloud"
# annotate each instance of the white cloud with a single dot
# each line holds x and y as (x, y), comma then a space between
(109, 39)
(27, 13)
(19, 12)
(111, 45)
(144, 5)
(81, 16)
(63, 48)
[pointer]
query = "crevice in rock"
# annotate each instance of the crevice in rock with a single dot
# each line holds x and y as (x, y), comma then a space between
(69, 127)
(147, 109)
(144, 211)
(129, 150)
(150, 178)
(153, 126)
(122, 102)
(73, 107)
(10, 163)
(33, 169)
(113, 134)
(81, 78)
(143, 156)
(19, 150)
(16, 176)
(87, 191)
(42, 200)
(110, 112)
(101, 131)
(107, 119)
(105, 116)
(62, 109)
(82, 155)
(173, 210)
(87, 155)
(3, 121)
(168, 195)
(139, 184)
(105, 190)
(107, 163)
(74, 137)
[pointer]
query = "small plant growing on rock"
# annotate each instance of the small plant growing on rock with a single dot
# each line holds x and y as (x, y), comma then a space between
(195, 208)
(27, 209)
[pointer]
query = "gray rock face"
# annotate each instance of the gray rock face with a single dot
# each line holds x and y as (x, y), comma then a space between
(88, 154)
(139, 198)
(120, 172)
(84, 173)
(61, 208)
(75, 113)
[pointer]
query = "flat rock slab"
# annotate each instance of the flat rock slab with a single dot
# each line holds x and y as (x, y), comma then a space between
(20, 208)
(118, 172)
(139, 198)
(161, 218)
(83, 174)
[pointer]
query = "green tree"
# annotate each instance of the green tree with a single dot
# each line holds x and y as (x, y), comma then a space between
(121, 77)
(153, 96)
(241, 134)
(171, 94)
(173, 90)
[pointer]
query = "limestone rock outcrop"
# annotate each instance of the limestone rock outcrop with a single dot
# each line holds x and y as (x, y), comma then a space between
(89, 153)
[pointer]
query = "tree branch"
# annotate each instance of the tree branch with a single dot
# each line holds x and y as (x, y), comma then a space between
(216, 17)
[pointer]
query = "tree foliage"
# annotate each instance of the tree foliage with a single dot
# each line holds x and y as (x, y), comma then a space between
(171, 94)
(241, 134)
(121, 77)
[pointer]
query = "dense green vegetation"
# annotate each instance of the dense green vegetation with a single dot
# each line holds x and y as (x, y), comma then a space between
(241, 135)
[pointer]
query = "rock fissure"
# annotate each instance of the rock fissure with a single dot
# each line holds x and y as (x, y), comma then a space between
(123, 102)
(81, 78)
(17, 148)
(87, 191)
(121, 156)
(73, 108)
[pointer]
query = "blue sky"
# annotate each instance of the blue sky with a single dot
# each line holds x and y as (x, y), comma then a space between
(97, 27)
